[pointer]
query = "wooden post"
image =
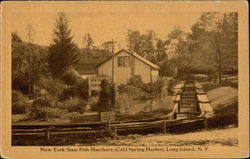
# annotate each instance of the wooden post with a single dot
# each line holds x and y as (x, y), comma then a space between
(205, 123)
(47, 135)
(164, 126)
(179, 105)
(198, 106)
(89, 90)
(108, 125)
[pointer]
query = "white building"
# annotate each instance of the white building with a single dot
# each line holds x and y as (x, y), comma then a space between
(127, 65)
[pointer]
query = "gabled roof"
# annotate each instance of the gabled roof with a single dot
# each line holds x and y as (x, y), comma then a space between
(147, 62)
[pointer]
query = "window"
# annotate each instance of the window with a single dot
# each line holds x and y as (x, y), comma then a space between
(123, 61)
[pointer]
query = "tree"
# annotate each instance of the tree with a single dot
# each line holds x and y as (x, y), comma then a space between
(143, 44)
(179, 47)
(63, 52)
(28, 63)
(216, 35)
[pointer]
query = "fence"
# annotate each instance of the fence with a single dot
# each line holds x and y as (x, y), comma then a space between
(124, 128)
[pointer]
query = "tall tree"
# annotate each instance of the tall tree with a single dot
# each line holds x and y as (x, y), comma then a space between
(216, 35)
(63, 52)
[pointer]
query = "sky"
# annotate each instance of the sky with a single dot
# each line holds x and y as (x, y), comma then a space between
(103, 24)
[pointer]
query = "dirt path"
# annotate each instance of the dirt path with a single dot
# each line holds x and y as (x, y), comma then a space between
(216, 137)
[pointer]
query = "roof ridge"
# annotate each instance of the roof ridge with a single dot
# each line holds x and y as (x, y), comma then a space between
(134, 54)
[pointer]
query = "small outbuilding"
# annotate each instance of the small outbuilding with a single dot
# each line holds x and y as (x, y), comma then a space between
(126, 65)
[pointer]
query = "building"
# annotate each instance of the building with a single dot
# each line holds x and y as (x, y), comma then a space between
(87, 69)
(127, 65)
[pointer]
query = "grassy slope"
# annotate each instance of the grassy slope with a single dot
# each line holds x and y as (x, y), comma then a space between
(224, 99)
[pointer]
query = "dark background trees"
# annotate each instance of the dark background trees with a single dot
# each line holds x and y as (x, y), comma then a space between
(29, 63)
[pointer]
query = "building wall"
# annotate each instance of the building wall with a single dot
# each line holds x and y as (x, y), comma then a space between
(105, 69)
(122, 74)
(154, 75)
(142, 69)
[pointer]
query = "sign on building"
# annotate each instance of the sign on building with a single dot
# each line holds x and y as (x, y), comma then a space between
(94, 83)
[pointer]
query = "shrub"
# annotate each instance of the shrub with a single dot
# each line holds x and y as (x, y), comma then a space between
(70, 78)
(68, 93)
(106, 100)
(123, 102)
(46, 106)
(19, 108)
(73, 105)
(136, 81)
(81, 89)
(39, 106)
(53, 85)
(20, 103)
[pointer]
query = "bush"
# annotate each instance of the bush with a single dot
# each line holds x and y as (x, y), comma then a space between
(39, 106)
(107, 94)
(19, 108)
(73, 105)
(123, 102)
(136, 81)
(70, 78)
(68, 93)
(139, 90)
(20, 103)
(53, 85)
(81, 89)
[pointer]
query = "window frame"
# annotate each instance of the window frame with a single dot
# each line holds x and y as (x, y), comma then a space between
(121, 61)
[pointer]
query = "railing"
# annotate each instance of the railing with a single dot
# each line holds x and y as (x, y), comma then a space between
(162, 125)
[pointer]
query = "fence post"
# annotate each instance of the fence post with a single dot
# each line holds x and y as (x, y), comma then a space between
(164, 126)
(205, 123)
(178, 107)
(47, 135)
(108, 125)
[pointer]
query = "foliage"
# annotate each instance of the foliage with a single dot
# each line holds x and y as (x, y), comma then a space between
(80, 89)
(39, 108)
(20, 103)
(52, 85)
(134, 88)
(107, 94)
(150, 47)
(123, 102)
(62, 48)
(210, 47)
(167, 68)
(143, 44)
(216, 36)
(135, 81)
(139, 90)
(28, 63)
(133, 91)
(73, 105)
(70, 78)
